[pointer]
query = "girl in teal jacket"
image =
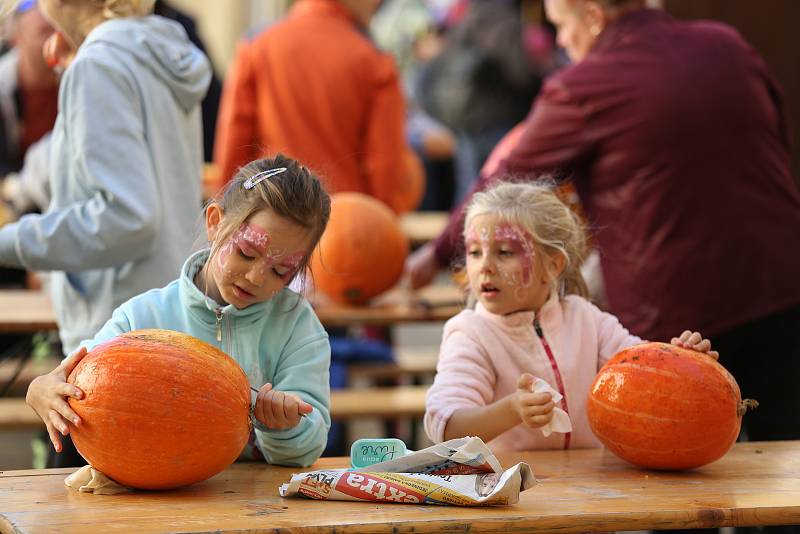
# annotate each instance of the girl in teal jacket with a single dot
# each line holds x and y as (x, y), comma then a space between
(234, 295)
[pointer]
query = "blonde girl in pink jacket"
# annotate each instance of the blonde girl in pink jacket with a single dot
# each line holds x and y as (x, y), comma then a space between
(531, 320)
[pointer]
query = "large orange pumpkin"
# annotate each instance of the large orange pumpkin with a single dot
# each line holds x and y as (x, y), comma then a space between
(664, 407)
(160, 409)
(362, 251)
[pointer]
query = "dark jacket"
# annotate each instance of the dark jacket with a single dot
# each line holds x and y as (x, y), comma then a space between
(676, 138)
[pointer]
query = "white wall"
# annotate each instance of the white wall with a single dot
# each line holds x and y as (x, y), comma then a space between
(222, 23)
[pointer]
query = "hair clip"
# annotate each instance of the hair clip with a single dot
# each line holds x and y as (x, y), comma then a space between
(257, 178)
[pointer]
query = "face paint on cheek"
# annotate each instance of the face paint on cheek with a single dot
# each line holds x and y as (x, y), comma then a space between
(223, 255)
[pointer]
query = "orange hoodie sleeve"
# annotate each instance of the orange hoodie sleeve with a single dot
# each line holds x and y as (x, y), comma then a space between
(391, 175)
(236, 139)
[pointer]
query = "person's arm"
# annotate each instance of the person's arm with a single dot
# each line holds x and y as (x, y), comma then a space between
(47, 394)
(303, 371)
(390, 177)
(110, 165)
(612, 336)
(30, 188)
(461, 402)
(236, 141)
(488, 422)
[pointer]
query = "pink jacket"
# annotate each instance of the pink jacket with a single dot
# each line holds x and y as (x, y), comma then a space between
(483, 354)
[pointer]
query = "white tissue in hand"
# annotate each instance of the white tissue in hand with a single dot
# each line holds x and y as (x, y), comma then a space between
(560, 421)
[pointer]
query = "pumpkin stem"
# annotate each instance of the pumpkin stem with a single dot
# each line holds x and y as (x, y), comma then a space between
(746, 404)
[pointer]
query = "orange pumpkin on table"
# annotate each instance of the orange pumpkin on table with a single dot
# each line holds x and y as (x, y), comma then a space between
(161, 409)
(362, 252)
(664, 407)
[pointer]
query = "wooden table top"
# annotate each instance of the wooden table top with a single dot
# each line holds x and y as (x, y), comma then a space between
(28, 311)
(399, 305)
(25, 311)
(423, 226)
(578, 491)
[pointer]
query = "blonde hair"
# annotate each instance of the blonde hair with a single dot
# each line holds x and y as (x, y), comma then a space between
(296, 195)
(117, 9)
(554, 227)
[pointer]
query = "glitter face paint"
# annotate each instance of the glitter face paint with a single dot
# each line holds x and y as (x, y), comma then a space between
(501, 266)
(252, 267)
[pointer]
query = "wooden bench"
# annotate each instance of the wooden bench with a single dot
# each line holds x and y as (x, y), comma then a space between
(30, 369)
(411, 364)
(353, 403)
(383, 403)
(16, 415)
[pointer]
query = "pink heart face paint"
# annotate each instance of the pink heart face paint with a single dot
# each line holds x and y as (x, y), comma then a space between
(257, 260)
(502, 266)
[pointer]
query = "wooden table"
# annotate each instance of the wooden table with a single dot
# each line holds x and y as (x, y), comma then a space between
(28, 311)
(432, 303)
(578, 491)
(25, 311)
(423, 226)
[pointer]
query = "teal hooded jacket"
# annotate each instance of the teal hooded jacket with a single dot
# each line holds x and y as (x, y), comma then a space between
(280, 341)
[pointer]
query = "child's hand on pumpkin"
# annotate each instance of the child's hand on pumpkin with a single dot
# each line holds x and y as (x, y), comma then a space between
(279, 410)
(533, 409)
(694, 341)
(47, 396)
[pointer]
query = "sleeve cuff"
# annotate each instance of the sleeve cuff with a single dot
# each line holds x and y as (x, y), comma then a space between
(288, 433)
(9, 256)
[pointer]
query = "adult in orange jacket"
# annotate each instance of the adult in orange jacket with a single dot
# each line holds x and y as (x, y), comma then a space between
(315, 87)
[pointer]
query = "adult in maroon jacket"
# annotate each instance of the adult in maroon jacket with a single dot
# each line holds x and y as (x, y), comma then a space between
(676, 139)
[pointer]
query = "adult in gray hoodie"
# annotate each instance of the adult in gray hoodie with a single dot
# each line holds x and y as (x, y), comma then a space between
(125, 164)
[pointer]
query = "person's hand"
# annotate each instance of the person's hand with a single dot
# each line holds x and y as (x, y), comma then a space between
(421, 266)
(47, 396)
(694, 341)
(279, 410)
(58, 52)
(533, 409)
(439, 144)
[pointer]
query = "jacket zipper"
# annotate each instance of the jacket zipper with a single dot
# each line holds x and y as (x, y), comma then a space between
(218, 313)
(559, 382)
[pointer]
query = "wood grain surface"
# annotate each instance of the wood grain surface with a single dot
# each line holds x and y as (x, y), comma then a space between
(578, 491)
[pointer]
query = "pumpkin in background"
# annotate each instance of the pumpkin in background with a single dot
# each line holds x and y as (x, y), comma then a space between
(664, 407)
(160, 409)
(362, 252)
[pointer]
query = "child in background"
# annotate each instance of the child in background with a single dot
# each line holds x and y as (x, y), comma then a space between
(235, 296)
(524, 249)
